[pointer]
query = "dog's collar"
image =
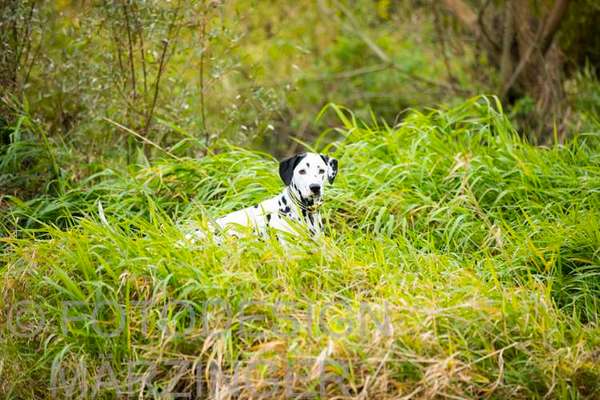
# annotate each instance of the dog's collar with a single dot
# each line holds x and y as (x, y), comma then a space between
(294, 197)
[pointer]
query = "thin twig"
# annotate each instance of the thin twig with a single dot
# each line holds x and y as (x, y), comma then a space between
(119, 57)
(507, 41)
(438, 28)
(160, 71)
(127, 99)
(144, 139)
(172, 37)
(482, 26)
(26, 42)
(522, 63)
(130, 40)
(202, 105)
(140, 32)
(156, 85)
(32, 62)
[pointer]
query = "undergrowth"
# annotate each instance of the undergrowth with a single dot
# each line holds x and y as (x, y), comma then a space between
(459, 261)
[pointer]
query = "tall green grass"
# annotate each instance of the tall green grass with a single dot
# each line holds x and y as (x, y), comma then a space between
(459, 261)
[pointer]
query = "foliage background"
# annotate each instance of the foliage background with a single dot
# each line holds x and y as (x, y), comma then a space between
(189, 75)
(475, 218)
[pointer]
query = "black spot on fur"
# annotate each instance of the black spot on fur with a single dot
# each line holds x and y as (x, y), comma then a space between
(287, 166)
(268, 218)
(285, 212)
(283, 200)
(333, 170)
(332, 164)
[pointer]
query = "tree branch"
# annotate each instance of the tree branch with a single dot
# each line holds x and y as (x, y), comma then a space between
(483, 28)
(130, 42)
(542, 41)
(463, 12)
(553, 22)
(437, 22)
(201, 77)
(156, 86)
(507, 41)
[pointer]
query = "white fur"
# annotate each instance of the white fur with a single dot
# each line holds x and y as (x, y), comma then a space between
(296, 208)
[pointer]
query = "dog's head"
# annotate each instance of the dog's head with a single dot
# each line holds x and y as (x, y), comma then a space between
(308, 174)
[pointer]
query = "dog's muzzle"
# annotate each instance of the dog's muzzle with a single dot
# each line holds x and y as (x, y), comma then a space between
(311, 208)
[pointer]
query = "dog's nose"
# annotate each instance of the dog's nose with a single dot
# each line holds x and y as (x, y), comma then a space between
(315, 189)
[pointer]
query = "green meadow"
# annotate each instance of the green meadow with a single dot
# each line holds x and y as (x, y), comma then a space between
(459, 261)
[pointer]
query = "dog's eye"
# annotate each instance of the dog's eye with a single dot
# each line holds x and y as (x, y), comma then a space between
(321, 171)
(302, 172)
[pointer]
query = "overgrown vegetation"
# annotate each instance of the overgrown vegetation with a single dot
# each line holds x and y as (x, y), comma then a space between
(252, 73)
(459, 261)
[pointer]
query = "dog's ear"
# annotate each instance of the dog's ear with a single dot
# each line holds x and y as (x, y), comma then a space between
(332, 167)
(287, 166)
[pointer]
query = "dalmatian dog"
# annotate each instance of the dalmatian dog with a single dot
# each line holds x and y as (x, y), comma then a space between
(296, 208)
